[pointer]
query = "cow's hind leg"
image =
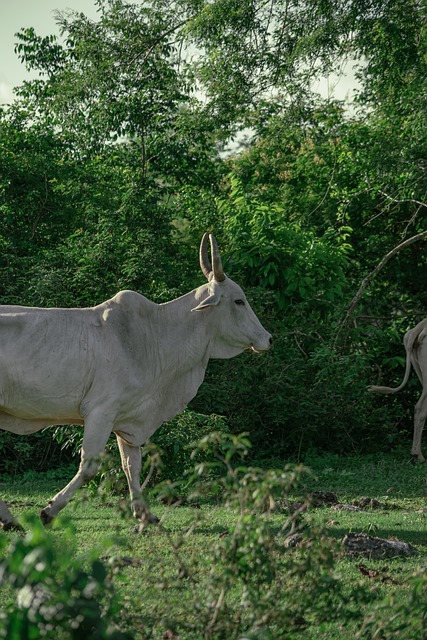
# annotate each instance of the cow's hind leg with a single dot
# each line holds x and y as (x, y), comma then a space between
(131, 463)
(420, 416)
(94, 440)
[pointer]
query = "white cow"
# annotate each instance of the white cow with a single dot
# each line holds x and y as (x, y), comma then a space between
(415, 342)
(124, 366)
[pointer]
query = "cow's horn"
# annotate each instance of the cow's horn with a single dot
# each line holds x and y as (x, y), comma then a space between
(205, 265)
(218, 271)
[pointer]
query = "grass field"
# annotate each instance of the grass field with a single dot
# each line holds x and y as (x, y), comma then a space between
(170, 578)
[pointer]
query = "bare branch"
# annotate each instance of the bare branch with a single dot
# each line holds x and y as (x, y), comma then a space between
(375, 272)
(421, 204)
(327, 188)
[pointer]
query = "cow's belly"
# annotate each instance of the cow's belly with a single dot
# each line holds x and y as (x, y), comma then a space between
(32, 400)
(48, 413)
(22, 426)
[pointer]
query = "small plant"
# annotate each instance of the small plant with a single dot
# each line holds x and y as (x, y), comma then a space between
(257, 582)
(54, 593)
(399, 618)
(176, 439)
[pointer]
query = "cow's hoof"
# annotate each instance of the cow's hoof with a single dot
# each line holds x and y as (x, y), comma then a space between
(146, 520)
(416, 459)
(152, 519)
(45, 517)
(12, 526)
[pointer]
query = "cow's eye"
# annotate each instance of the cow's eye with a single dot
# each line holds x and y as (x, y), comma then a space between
(239, 302)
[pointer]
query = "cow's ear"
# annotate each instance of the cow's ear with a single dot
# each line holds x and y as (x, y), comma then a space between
(211, 301)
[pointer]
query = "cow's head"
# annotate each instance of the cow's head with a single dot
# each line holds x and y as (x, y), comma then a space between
(235, 326)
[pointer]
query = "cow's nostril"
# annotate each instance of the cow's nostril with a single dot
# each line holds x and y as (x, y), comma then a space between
(271, 340)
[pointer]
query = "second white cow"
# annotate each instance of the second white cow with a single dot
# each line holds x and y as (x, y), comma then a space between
(415, 342)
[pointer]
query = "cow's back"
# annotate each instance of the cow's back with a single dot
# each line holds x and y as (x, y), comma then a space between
(44, 359)
(50, 358)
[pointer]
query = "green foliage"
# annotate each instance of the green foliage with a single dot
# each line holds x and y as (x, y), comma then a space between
(110, 171)
(17, 454)
(274, 586)
(253, 50)
(53, 591)
(394, 618)
(270, 251)
(304, 393)
(98, 68)
(77, 232)
(175, 439)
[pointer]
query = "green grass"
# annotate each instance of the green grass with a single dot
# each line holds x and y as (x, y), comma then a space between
(161, 571)
(376, 475)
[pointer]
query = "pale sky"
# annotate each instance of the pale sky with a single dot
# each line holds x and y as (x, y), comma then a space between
(17, 14)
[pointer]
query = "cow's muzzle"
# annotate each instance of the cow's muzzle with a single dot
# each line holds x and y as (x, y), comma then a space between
(263, 348)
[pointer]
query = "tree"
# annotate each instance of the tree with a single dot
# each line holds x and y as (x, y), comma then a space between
(120, 78)
(125, 125)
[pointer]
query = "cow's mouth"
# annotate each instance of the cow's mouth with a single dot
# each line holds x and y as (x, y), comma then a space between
(261, 349)
(253, 350)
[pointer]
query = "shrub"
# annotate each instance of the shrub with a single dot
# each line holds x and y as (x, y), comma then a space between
(258, 585)
(55, 592)
(172, 441)
(175, 439)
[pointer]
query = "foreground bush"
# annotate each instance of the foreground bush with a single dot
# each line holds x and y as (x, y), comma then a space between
(55, 593)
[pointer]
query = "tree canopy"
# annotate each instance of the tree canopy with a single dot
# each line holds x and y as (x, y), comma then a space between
(113, 163)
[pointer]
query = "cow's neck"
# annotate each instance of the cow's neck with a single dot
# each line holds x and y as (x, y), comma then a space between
(181, 360)
(187, 334)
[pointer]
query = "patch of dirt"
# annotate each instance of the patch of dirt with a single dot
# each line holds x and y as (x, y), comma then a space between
(374, 574)
(323, 498)
(20, 503)
(356, 544)
(372, 503)
(320, 499)
(346, 507)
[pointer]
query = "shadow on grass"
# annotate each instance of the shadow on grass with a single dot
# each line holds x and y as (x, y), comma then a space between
(410, 536)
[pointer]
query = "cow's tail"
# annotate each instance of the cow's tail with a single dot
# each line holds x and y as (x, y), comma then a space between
(411, 337)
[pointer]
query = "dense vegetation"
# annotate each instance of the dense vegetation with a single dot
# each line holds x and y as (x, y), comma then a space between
(145, 128)
(131, 143)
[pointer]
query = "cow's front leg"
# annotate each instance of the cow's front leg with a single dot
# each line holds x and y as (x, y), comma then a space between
(132, 465)
(95, 437)
(420, 415)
